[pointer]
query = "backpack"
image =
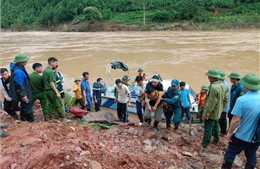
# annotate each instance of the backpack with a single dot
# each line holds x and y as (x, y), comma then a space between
(256, 136)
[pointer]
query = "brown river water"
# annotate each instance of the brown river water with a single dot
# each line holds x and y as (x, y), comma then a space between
(184, 55)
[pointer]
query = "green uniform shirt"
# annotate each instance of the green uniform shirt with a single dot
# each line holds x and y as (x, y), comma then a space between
(36, 82)
(48, 76)
(216, 99)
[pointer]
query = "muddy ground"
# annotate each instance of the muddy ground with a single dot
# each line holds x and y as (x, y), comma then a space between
(79, 145)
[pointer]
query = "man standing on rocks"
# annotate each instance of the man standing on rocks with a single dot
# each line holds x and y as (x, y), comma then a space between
(97, 92)
(5, 84)
(185, 101)
(246, 117)
(215, 100)
(122, 92)
(140, 95)
(86, 90)
(21, 89)
(235, 92)
(153, 100)
(172, 98)
(53, 95)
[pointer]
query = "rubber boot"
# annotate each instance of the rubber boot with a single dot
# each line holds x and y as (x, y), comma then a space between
(155, 124)
(176, 126)
(148, 122)
(226, 165)
(168, 124)
(189, 122)
(249, 166)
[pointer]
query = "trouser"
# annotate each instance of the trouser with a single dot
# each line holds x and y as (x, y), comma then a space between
(177, 117)
(168, 116)
(98, 104)
(223, 123)
(185, 110)
(139, 111)
(157, 113)
(235, 147)
(89, 101)
(44, 103)
(55, 104)
(230, 116)
(8, 108)
(80, 102)
(26, 111)
(200, 114)
(210, 126)
(121, 112)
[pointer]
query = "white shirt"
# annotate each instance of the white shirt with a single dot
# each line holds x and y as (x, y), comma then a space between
(123, 94)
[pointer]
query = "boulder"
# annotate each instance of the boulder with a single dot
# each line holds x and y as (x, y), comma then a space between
(100, 117)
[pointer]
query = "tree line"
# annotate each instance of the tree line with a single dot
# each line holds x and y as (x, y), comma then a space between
(46, 13)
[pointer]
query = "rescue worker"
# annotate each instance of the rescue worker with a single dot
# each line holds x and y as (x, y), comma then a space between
(97, 92)
(53, 95)
(78, 94)
(59, 80)
(141, 73)
(5, 84)
(216, 99)
(86, 90)
(21, 89)
(235, 92)
(153, 100)
(200, 98)
(172, 98)
(38, 89)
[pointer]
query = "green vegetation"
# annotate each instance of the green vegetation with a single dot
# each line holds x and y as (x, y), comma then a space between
(46, 14)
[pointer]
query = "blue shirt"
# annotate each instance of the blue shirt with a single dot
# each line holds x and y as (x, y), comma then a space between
(97, 91)
(247, 107)
(226, 108)
(19, 75)
(235, 92)
(86, 86)
(172, 97)
(184, 98)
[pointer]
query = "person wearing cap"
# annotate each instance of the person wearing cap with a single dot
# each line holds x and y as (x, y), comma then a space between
(5, 83)
(235, 92)
(172, 98)
(53, 94)
(246, 116)
(125, 79)
(123, 97)
(78, 96)
(86, 90)
(141, 73)
(186, 102)
(97, 92)
(153, 100)
(21, 89)
(200, 98)
(223, 118)
(39, 92)
(140, 95)
(216, 99)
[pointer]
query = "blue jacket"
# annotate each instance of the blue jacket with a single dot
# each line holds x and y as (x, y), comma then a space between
(172, 98)
(235, 92)
(97, 90)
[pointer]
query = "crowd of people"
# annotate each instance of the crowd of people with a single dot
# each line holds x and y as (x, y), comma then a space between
(216, 101)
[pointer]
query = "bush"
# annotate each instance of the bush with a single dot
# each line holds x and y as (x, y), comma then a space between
(163, 16)
(92, 14)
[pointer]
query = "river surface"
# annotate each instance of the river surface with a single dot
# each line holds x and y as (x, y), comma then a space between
(182, 55)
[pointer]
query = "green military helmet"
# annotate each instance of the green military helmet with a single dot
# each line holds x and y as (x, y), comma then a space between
(77, 79)
(222, 75)
(125, 77)
(213, 73)
(140, 70)
(251, 81)
(234, 75)
(204, 87)
(20, 57)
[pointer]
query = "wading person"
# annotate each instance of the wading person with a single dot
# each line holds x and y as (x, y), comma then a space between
(172, 98)
(97, 92)
(86, 90)
(235, 92)
(4, 84)
(38, 89)
(21, 89)
(153, 100)
(246, 117)
(123, 96)
(78, 96)
(140, 96)
(53, 95)
(186, 103)
(223, 117)
(200, 98)
(215, 100)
